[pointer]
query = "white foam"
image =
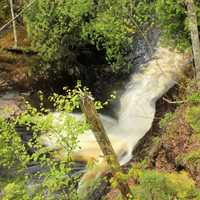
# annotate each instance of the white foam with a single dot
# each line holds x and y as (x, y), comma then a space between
(137, 106)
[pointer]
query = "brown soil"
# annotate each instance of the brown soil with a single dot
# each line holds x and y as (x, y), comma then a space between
(177, 142)
(15, 68)
(7, 39)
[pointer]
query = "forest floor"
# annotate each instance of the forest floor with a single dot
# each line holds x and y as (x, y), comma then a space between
(15, 64)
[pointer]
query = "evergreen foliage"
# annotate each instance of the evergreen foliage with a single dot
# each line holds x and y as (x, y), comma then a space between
(4, 11)
(172, 19)
(193, 111)
(57, 28)
(193, 118)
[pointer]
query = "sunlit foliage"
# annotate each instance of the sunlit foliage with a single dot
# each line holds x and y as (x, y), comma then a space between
(57, 28)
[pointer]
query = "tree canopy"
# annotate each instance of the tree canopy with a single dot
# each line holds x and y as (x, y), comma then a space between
(57, 28)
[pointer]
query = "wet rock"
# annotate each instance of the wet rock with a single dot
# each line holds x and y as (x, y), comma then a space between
(11, 104)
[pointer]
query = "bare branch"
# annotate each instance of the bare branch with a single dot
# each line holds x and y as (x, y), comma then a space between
(173, 102)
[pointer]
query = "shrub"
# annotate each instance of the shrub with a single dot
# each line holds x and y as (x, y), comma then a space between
(192, 157)
(58, 28)
(194, 97)
(12, 150)
(4, 11)
(193, 118)
(55, 178)
(166, 119)
(157, 185)
(172, 18)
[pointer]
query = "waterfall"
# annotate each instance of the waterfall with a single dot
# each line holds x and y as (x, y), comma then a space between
(137, 109)
(138, 102)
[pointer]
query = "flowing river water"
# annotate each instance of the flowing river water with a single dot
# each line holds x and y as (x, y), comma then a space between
(137, 108)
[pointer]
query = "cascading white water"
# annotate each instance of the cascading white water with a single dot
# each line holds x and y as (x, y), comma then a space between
(137, 110)
(143, 90)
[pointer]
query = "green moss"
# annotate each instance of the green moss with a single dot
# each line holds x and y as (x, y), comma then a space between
(156, 141)
(192, 157)
(165, 186)
(166, 119)
(193, 118)
(194, 97)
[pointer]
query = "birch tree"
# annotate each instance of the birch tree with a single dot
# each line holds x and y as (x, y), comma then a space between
(193, 26)
(13, 23)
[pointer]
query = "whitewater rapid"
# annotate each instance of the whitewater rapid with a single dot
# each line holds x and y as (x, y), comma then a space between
(137, 107)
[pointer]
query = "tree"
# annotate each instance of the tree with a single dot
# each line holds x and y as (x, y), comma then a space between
(193, 26)
(171, 17)
(13, 23)
(96, 125)
(58, 29)
(52, 179)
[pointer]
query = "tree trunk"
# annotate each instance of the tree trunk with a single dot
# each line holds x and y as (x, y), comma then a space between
(14, 24)
(193, 26)
(96, 125)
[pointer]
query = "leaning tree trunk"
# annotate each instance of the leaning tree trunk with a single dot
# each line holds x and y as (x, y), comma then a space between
(14, 24)
(193, 26)
(97, 127)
